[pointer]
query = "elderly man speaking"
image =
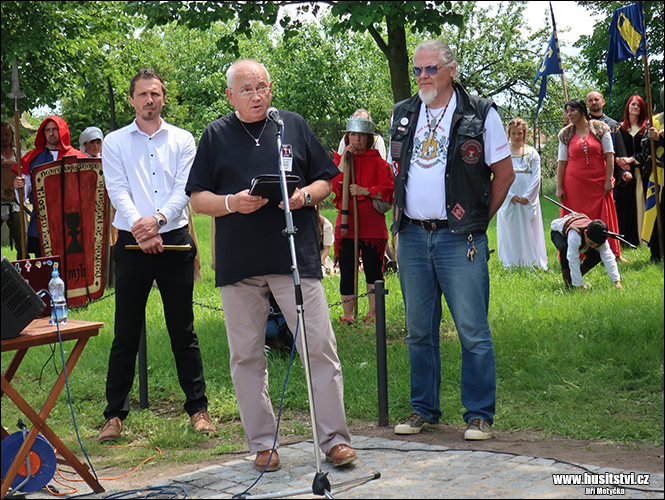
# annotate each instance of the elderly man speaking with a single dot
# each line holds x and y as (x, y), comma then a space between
(253, 258)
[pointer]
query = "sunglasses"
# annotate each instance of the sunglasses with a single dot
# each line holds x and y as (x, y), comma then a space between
(430, 70)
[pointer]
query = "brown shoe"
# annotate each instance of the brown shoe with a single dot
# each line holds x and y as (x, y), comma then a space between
(341, 454)
(262, 458)
(201, 423)
(112, 429)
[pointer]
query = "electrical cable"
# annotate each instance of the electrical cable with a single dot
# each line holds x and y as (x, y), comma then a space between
(556, 460)
(41, 372)
(150, 492)
(71, 406)
(279, 414)
(73, 479)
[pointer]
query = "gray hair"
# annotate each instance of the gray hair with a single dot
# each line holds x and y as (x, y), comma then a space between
(445, 53)
(362, 112)
(231, 72)
(11, 127)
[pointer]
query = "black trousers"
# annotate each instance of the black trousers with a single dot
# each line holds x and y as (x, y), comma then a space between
(372, 264)
(591, 257)
(134, 274)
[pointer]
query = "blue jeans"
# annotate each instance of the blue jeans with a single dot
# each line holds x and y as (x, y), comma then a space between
(432, 262)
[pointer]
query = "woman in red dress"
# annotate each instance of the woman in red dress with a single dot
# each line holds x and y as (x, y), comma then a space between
(373, 180)
(585, 165)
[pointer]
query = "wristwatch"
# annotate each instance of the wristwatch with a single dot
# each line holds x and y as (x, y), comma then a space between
(160, 222)
(308, 198)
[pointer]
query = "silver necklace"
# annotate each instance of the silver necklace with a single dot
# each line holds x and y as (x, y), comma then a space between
(256, 140)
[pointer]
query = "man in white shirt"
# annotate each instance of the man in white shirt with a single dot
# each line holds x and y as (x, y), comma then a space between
(146, 166)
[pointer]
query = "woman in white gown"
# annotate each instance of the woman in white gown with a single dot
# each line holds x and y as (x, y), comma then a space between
(519, 226)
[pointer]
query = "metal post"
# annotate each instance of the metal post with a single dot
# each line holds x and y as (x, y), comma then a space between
(381, 357)
(143, 369)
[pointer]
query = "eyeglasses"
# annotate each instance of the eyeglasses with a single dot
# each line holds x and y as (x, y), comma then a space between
(248, 93)
(430, 70)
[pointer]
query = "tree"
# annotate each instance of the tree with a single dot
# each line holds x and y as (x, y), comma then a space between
(387, 22)
(628, 75)
(494, 59)
(60, 46)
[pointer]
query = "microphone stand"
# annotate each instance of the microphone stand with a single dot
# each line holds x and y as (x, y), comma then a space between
(320, 484)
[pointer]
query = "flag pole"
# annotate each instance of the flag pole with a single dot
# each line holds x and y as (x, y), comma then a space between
(563, 80)
(565, 92)
(647, 82)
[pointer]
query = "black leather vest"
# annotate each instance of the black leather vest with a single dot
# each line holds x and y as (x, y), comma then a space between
(467, 175)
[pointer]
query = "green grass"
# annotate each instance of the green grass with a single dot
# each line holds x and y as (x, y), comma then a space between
(582, 365)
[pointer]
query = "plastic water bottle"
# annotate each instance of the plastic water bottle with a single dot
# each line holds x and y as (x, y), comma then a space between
(56, 288)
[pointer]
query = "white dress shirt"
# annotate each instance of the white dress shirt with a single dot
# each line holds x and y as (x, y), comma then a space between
(146, 174)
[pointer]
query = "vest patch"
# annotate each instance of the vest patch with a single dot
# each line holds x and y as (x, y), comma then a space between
(458, 212)
(471, 151)
(396, 150)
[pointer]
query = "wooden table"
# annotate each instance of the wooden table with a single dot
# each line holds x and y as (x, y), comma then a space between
(37, 333)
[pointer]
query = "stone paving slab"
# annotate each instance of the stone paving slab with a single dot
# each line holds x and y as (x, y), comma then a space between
(407, 470)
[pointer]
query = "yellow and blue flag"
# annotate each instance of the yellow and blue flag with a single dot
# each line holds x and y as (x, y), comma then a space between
(627, 38)
(550, 64)
(651, 199)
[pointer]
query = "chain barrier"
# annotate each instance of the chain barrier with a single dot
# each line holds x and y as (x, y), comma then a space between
(216, 308)
(371, 292)
(100, 299)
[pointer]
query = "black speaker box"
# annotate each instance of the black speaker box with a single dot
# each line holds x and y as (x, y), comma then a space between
(20, 303)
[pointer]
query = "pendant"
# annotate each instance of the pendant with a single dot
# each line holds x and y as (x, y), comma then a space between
(257, 143)
(429, 148)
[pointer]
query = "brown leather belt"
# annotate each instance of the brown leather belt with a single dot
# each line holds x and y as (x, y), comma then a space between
(429, 225)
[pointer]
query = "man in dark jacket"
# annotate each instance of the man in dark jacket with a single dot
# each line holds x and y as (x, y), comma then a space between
(453, 171)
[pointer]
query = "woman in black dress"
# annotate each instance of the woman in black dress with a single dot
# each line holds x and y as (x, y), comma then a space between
(630, 187)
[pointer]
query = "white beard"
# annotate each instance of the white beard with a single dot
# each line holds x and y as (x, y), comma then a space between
(427, 96)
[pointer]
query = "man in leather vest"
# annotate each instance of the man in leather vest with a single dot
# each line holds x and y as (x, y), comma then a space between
(453, 171)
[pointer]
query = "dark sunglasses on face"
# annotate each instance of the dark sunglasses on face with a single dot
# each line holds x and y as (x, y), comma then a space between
(431, 70)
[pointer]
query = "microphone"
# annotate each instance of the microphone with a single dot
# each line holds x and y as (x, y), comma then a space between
(273, 115)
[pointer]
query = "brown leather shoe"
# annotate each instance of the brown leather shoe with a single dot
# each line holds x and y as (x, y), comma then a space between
(262, 459)
(201, 422)
(342, 454)
(112, 429)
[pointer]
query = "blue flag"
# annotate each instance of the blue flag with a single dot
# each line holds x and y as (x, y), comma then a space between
(550, 64)
(627, 38)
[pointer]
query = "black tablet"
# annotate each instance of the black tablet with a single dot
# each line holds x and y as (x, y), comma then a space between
(268, 186)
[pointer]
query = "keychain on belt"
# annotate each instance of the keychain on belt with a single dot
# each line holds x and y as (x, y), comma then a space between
(470, 248)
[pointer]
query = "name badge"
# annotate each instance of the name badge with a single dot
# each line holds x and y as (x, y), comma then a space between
(287, 154)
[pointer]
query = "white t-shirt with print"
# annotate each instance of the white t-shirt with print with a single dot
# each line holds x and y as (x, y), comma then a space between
(426, 187)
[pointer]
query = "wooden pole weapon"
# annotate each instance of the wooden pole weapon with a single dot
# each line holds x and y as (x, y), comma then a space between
(355, 243)
(16, 94)
(346, 169)
(647, 83)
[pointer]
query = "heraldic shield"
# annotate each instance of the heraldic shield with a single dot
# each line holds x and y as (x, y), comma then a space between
(70, 205)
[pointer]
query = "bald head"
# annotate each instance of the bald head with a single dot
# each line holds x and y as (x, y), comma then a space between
(245, 65)
(595, 103)
(249, 90)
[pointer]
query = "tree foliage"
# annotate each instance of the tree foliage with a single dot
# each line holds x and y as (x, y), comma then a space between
(386, 21)
(61, 47)
(628, 75)
(323, 67)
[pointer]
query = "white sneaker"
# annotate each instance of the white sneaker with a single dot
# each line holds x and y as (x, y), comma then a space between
(478, 429)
